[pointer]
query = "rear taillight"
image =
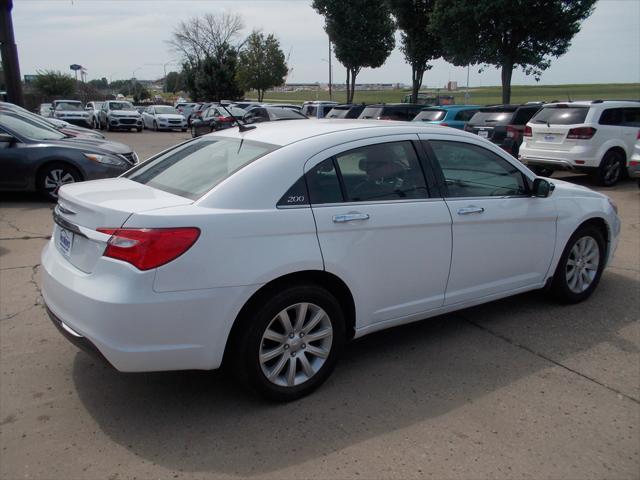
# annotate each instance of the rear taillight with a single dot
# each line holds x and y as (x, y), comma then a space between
(513, 132)
(581, 133)
(527, 132)
(444, 124)
(224, 119)
(147, 248)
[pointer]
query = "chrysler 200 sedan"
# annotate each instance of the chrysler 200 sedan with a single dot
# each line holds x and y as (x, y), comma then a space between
(267, 249)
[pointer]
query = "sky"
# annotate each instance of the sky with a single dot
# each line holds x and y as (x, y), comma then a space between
(118, 39)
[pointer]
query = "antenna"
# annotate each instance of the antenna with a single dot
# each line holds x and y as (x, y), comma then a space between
(243, 127)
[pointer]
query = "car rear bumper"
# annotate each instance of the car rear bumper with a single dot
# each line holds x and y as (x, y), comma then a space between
(577, 158)
(634, 168)
(114, 312)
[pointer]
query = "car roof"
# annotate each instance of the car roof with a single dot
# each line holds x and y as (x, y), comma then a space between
(275, 134)
(451, 107)
(597, 103)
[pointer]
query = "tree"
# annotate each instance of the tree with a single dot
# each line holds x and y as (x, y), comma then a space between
(262, 64)
(214, 77)
(174, 82)
(209, 49)
(362, 32)
(101, 84)
(508, 33)
(419, 44)
(54, 83)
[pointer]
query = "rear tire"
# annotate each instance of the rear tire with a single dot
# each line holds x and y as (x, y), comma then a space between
(580, 267)
(53, 176)
(611, 169)
(278, 359)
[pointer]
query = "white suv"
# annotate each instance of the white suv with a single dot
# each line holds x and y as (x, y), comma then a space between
(596, 137)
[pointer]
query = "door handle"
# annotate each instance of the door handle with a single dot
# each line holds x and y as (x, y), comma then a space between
(350, 217)
(470, 210)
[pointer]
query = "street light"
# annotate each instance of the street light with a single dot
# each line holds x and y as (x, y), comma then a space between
(330, 75)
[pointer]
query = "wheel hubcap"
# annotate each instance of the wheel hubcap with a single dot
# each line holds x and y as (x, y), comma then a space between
(582, 264)
(56, 178)
(296, 344)
(612, 170)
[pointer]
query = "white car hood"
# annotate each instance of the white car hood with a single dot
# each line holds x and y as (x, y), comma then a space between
(169, 116)
(567, 189)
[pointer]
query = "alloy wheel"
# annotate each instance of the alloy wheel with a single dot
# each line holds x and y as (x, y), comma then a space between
(296, 344)
(55, 178)
(582, 264)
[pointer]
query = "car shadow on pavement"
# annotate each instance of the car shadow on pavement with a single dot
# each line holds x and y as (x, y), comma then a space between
(202, 422)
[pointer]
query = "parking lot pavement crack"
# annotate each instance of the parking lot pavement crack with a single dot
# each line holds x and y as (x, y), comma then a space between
(15, 314)
(36, 237)
(20, 230)
(34, 281)
(550, 360)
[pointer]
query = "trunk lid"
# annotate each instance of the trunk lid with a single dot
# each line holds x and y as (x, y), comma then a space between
(86, 206)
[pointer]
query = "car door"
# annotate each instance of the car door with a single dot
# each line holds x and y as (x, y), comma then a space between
(379, 229)
(15, 168)
(503, 238)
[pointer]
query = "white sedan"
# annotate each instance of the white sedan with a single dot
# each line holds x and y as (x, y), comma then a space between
(269, 248)
(163, 117)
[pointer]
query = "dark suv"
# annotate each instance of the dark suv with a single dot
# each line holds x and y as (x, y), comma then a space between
(346, 110)
(503, 124)
(391, 111)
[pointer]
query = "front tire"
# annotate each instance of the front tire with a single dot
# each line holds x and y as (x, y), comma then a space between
(53, 176)
(542, 171)
(611, 169)
(155, 126)
(580, 267)
(289, 343)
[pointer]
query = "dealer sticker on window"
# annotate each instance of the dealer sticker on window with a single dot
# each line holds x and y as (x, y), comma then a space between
(65, 241)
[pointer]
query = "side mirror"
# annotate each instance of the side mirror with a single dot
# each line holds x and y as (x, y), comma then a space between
(542, 188)
(6, 140)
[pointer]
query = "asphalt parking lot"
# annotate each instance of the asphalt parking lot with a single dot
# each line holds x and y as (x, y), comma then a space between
(519, 388)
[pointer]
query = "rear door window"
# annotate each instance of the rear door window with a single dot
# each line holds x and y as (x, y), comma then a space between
(611, 116)
(465, 115)
(523, 115)
(562, 115)
(430, 115)
(371, 112)
(194, 168)
(387, 171)
(631, 117)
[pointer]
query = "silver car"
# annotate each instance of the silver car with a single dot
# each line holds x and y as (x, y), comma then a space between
(71, 111)
(163, 117)
(119, 115)
(93, 108)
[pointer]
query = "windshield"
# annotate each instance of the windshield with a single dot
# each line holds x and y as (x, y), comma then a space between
(194, 168)
(430, 116)
(165, 109)
(69, 106)
(28, 128)
(285, 114)
(371, 112)
(121, 106)
(492, 117)
(561, 115)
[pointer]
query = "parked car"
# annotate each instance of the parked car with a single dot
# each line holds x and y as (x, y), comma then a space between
(216, 118)
(391, 111)
(163, 117)
(317, 108)
(199, 110)
(94, 111)
(633, 166)
(595, 137)
(430, 99)
(119, 115)
(45, 110)
(290, 106)
(71, 111)
(271, 114)
(185, 109)
(503, 124)
(35, 157)
(302, 238)
(454, 116)
(64, 127)
(347, 110)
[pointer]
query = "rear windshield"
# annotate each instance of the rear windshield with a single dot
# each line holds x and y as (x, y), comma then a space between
(194, 168)
(523, 115)
(371, 112)
(285, 114)
(68, 106)
(430, 116)
(338, 112)
(492, 117)
(561, 115)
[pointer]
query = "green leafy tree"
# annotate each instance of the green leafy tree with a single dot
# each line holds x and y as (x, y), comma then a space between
(362, 32)
(139, 92)
(262, 64)
(508, 33)
(418, 44)
(173, 82)
(54, 83)
(214, 77)
(101, 84)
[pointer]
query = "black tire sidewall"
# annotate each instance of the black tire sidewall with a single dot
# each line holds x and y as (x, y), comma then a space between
(559, 286)
(602, 169)
(247, 365)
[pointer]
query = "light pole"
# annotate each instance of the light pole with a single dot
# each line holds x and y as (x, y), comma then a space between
(330, 76)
